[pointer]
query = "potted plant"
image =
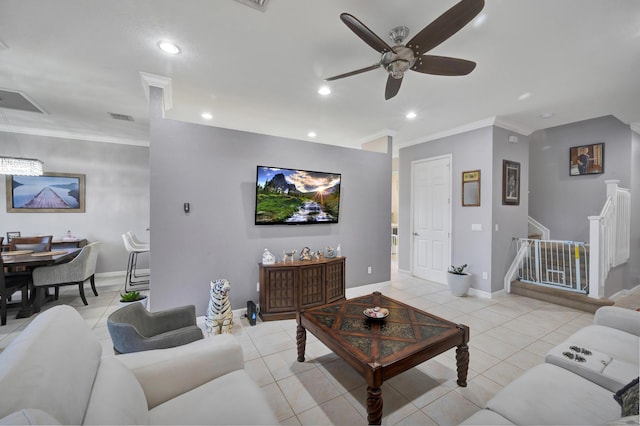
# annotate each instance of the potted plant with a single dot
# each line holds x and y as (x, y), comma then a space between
(459, 281)
(133, 296)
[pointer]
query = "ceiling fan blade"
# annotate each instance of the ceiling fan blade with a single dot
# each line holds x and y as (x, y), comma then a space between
(445, 26)
(442, 65)
(349, 74)
(362, 31)
(393, 85)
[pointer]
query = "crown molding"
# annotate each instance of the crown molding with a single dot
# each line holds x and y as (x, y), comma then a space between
(75, 136)
(449, 132)
(635, 127)
(501, 122)
(163, 83)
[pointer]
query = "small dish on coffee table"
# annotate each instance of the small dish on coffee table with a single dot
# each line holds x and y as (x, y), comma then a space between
(376, 313)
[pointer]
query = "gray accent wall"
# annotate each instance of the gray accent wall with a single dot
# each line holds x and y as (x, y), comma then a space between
(489, 250)
(117, 194)
(563, 203)
(214, 170)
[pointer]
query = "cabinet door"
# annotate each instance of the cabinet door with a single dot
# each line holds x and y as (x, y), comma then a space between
(312, 283)
(281, 293)
(335, 281)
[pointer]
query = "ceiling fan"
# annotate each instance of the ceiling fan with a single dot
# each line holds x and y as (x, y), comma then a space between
(401, 58)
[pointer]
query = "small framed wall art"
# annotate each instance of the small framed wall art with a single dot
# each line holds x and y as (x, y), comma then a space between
(586, 159)
(510, 183)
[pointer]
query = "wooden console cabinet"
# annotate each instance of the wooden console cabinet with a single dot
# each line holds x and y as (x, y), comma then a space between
(287, 287)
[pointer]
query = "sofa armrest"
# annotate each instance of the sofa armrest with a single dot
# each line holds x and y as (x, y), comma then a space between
(620, 318)
(167, 373)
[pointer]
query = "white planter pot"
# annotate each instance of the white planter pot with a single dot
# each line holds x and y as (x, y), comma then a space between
(143, 301)
(459, 285)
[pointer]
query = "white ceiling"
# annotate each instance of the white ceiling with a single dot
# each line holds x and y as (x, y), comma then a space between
(258, 71)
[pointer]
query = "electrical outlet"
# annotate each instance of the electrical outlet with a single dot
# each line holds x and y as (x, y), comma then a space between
(369, 270)
(258, 286)
(485, 276)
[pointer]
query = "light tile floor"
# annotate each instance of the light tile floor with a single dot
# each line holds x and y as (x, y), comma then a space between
(509, 334)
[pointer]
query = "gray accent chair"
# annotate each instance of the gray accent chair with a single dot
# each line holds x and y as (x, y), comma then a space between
(80, 269)
(134, 329)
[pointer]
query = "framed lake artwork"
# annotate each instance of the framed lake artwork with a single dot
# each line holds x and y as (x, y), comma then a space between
(586, 159)
(49, 193)
(510, 183)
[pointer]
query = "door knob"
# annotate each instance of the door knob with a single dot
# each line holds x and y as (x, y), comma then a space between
(415, 234)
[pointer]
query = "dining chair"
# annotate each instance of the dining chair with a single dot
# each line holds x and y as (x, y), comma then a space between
(75, 272)
(8, 286)
(39, 243)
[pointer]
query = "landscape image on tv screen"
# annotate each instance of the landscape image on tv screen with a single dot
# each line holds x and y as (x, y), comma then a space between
(296, 197)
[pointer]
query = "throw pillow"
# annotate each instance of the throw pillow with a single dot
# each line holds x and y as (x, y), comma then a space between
(627, 397)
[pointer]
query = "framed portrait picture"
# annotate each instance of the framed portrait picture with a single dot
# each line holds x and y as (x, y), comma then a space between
(510, 183)
(586, 159)
(49, 193)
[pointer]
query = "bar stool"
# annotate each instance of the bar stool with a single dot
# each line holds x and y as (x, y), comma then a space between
(132, 279)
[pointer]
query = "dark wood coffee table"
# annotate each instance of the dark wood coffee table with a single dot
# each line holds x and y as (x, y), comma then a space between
(382, 348)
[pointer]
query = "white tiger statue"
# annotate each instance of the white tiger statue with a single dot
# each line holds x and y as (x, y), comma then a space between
(219, 317)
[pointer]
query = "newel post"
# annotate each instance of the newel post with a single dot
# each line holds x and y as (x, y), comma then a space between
(596, 284)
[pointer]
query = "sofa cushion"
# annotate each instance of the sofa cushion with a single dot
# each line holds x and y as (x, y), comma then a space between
(618, 344)
(486, 417)
(595, 366)
(51, 366)
(550, 395)
(232, 399)
(116, 398)
(30, 416)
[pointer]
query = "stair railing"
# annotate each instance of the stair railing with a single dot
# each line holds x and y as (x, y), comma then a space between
(536, 227)
(609, 236)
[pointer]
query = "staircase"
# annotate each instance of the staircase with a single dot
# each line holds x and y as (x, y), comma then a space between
(573, 273)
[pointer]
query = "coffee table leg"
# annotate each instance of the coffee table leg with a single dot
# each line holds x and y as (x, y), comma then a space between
(374, 405)
(462, 362)
(301, 340)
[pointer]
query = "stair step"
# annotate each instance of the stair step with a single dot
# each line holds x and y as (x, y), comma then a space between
(559, 297)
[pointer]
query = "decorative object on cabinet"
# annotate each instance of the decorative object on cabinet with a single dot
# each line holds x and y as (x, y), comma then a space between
(289, 255)
(268, 258)
(288, 287)
(471, 188)
(49, 193)
(305, 254)
(510, 183)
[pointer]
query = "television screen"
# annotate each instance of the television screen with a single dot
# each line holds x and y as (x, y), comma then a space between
(296, 197)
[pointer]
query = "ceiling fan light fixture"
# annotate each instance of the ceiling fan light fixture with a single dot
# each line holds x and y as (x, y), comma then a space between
(169, 47)
(324, 91)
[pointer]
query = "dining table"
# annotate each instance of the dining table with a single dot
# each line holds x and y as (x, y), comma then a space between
(29, 260)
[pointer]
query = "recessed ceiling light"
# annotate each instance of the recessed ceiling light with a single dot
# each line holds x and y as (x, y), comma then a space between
(168, 47)
(312, 134)
(411, 115)
(324, 90)
(524, 96)
(206, 116)
(479, 20)
(546, 115)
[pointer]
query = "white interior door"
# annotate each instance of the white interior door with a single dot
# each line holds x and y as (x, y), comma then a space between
(431, 211)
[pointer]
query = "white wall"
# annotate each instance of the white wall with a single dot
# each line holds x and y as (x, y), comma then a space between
(117, 194)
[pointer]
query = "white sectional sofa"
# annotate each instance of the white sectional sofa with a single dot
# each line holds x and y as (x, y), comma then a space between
(564, 391)
(54, 373)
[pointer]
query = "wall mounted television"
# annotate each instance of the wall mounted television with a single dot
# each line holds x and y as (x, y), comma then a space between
(296, 197)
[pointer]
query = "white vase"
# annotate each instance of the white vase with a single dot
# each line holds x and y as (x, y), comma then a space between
(143, 301)
(459, 284)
